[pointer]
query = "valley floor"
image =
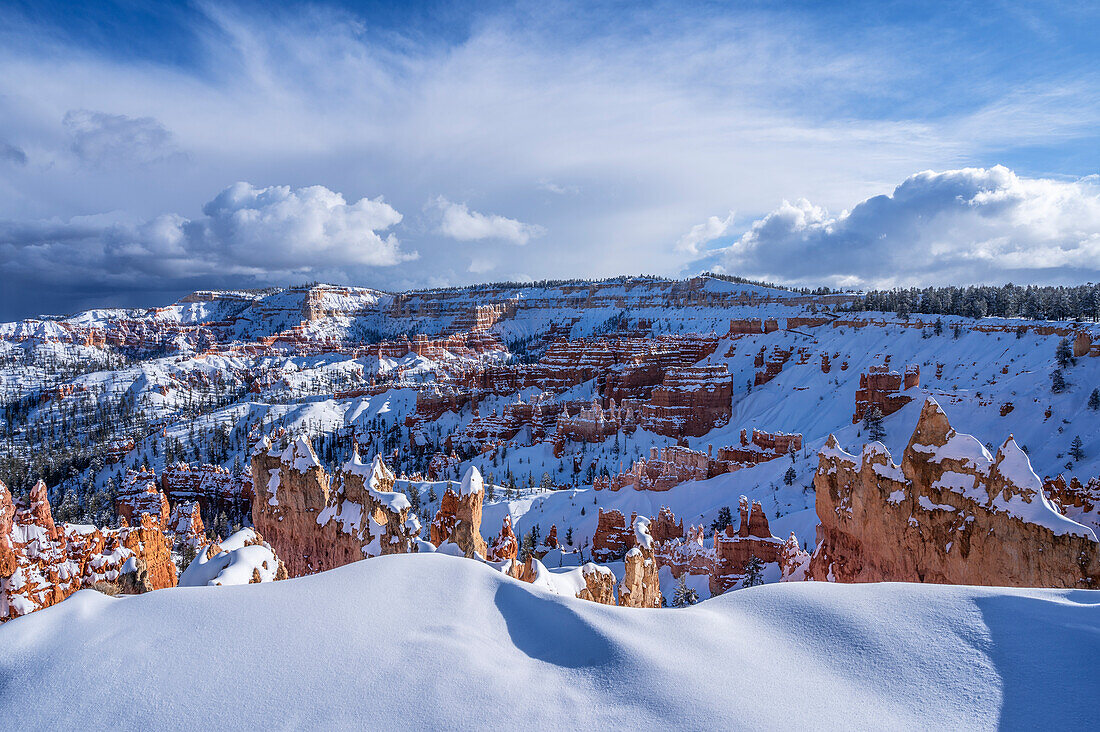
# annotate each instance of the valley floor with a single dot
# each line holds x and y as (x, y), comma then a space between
(436, 642)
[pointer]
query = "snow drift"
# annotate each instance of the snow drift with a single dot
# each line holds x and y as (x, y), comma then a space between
(431, 641)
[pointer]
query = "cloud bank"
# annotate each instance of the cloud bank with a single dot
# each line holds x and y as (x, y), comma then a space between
(459, 222)
(263, 234)
(964, 226)
(703, 233)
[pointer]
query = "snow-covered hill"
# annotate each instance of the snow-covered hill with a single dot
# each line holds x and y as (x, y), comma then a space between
(436, 642)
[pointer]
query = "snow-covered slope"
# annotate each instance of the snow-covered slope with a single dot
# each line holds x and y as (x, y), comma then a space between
(436, 642)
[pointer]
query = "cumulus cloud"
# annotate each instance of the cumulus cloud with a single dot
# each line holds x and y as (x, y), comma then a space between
(102, 139)
(459, 222)
(11, 154)
(700, 234)
(970, 225)
(265, 234)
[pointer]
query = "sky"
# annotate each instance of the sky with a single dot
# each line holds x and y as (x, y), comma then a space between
(150, 150)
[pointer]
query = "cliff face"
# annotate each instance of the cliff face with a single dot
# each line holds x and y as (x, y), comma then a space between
(459, 517)
(316, 522)
(42, 562)
(950, 513)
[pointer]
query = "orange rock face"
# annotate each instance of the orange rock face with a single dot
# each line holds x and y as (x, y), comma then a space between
(733, 550)
(641, 585)
(506, 546)
(612, 538)
(882, 387)
(951, 513)
(459, 517)
(42, 563)
(690, 401)
(317, 522)
(599, 584)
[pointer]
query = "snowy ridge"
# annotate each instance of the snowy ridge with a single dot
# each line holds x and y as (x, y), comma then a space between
(495, 652)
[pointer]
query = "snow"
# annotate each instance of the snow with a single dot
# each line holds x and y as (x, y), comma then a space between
(235, 564)
(300, 455)
(1028, 501)
(926, 503)
(472, 482)
(475, 649)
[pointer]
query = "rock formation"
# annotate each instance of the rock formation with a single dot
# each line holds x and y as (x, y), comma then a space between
(42, 563)
(690, 401)
(882, 387)
(459, 517)
(612, 538)
(641, 585)
(734, 549)
(951, 513)
(599, 584)
(506, 546)
(316, 522)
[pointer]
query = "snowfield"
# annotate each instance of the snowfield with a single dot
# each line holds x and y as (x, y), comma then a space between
(437, 642)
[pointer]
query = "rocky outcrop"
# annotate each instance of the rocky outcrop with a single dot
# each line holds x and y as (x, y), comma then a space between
(950, 513)
(211, 486)
(42, 563)
(506, 546)
(599, 584)
(734, 549)
(315, 521)
(1076, 500)
(185, 522)
(459, 517)
(690, 401)
(669, 466)
(140, 494)
(612, 538)
(641, 585)
(882, 387)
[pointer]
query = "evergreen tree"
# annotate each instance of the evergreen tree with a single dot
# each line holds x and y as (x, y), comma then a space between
(1057, 381)
(789, 476)
(569, 535)
(221, 525)
(1063, 354)
(725, 518)
(937, 327)
(1076, 449)
(1094, 400)
(872, 422)
(754, 572)
(684, 595)
(490, 491)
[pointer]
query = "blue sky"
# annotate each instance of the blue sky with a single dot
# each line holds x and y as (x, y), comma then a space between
(147, 150)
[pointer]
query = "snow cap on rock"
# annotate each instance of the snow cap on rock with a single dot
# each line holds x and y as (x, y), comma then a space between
(472, 482)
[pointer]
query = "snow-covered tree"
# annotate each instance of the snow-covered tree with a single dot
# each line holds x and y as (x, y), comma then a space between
(872, 422)
(1094, 400)
(1077, 449)
(684, 595)
(1057, 381)
(754, 572)
(789, 476)
(1063, 354)
(725, 518)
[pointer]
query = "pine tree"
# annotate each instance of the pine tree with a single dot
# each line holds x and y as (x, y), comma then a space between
(490, 491)
(1057, 381)
(937, 327)
(1076, 449)
(789, 476)
(725, 518)
(684, 595)
(1094, 400)
(754, 572)
(221, 525)
(1063, 354)
(872, 422)
(569, 535)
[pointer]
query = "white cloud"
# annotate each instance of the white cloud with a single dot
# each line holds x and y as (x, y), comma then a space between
(480, 265)
(700, 234)
(267, 234)
(963, 226)
(459, 222)
(105, 139)
(551, 187)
